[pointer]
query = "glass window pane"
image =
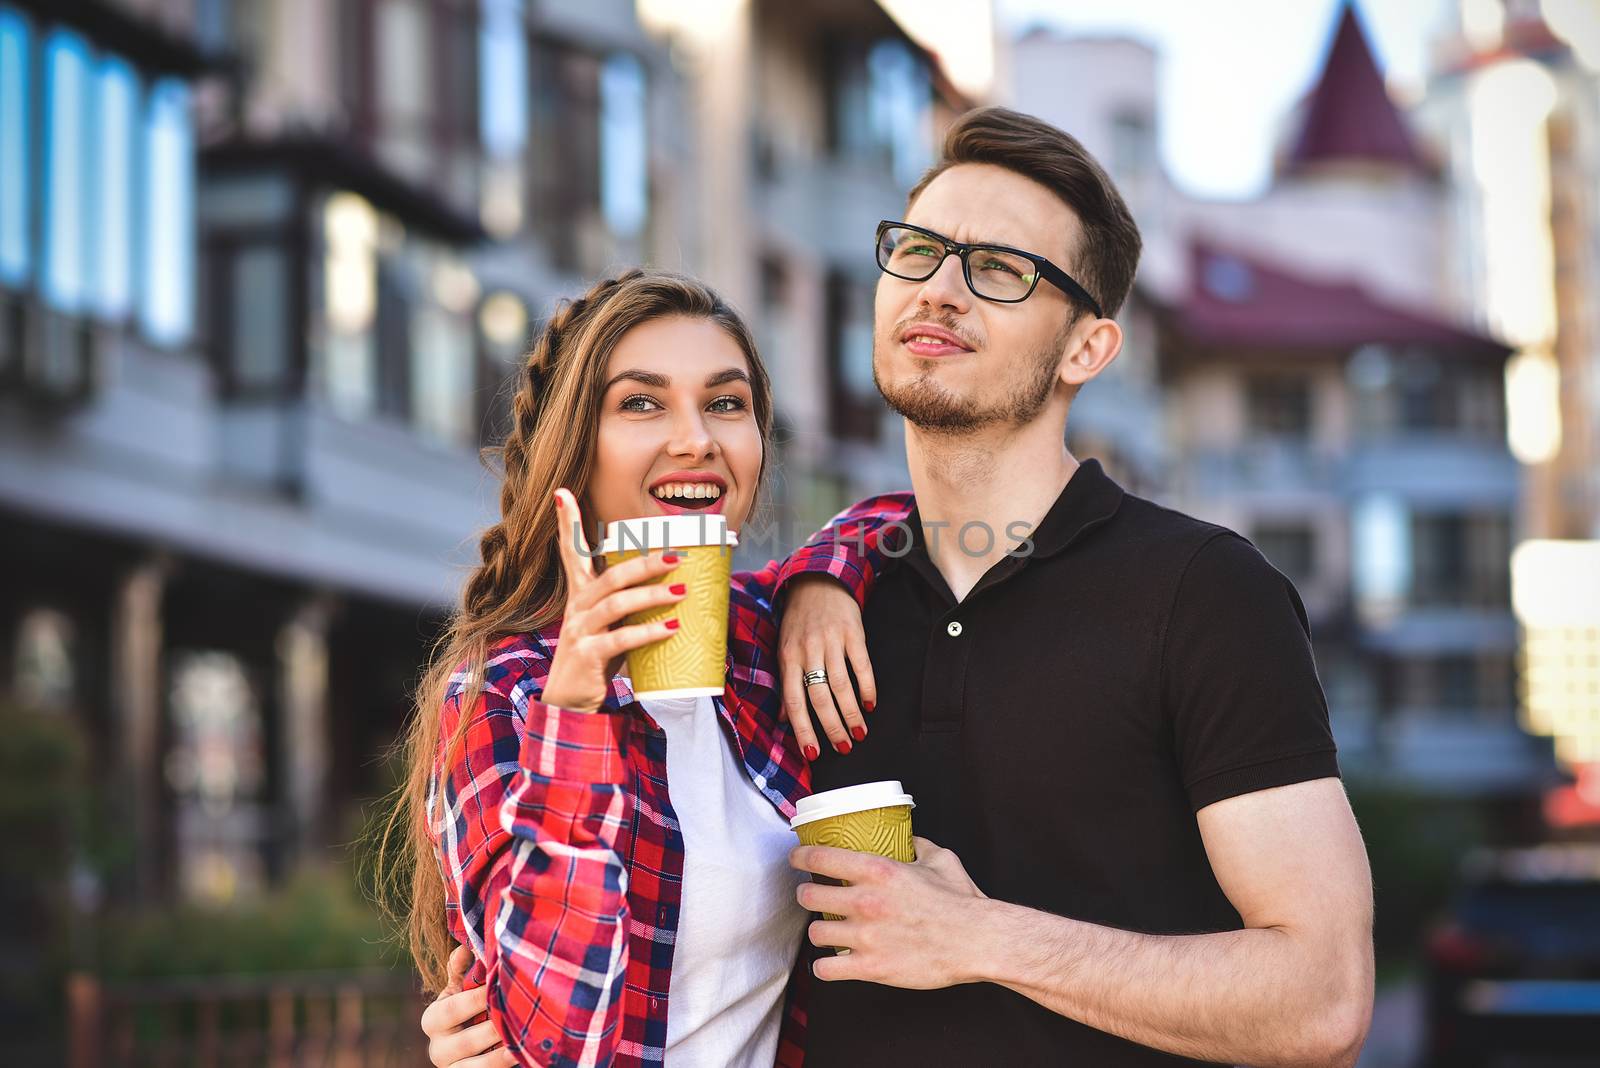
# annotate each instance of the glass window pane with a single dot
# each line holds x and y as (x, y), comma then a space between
(442, 375)
(166, 305)
(260, 318)
(350, 297)
(503, 78)
(216, 770)
(624, 174)
(16, 41)
(405, 85)
(67, 203)
(46, 660)
(116, 97)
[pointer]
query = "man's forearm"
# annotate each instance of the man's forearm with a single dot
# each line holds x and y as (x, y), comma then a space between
(1260, 996)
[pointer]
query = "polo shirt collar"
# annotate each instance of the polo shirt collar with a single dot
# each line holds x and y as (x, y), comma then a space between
(1091, 497)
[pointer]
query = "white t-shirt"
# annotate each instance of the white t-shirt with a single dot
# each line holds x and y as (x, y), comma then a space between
(739, 925)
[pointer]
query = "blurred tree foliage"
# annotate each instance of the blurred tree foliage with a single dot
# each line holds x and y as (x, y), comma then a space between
(43, 809)
(317, 921)
(1415, 842)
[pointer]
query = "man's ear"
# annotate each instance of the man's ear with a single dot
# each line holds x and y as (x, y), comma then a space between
(1091, 346)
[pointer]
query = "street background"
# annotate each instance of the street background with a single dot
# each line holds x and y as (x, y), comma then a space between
(266, 267)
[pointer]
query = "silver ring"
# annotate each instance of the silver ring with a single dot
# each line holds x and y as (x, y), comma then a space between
(814, 677)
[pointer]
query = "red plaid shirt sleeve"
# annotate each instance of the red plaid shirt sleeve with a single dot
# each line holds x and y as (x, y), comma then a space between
(852, 547)
(532, 856)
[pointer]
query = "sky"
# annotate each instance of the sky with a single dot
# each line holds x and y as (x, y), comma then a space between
(1230, 69)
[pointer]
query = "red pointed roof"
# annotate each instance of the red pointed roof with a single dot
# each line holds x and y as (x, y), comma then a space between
(1348, 115)
(1238, 303)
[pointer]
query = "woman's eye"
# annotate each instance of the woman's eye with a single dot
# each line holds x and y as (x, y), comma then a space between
(727, 404)
(637, 403)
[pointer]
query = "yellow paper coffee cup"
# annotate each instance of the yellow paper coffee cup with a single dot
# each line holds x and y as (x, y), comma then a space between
(693, 661)
(874, 817)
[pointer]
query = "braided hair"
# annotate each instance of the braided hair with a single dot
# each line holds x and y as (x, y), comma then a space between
(519, 585)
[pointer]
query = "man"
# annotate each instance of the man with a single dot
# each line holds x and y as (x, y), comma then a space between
(1112, 727)
(1106, 711)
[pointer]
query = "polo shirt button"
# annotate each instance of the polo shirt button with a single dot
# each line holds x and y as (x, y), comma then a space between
(954, 629)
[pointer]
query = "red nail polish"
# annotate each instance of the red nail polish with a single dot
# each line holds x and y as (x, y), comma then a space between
(843, 748)
(669, 558)
(672, 624)
(812, 752)
(871, 705)
(858, 733)
(678, 588)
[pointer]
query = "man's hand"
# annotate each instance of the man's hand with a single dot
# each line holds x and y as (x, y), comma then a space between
(905, 925)
(821, 628)
(453, 1044)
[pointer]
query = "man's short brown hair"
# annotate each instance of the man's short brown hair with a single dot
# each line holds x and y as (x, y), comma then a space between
(1109, 255)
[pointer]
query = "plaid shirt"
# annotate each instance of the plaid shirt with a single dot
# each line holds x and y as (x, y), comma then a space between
(561, 854)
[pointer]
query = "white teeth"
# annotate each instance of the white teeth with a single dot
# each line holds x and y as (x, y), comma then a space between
(691, 490)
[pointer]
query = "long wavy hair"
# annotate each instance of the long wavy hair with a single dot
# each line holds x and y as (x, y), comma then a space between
(519, 585)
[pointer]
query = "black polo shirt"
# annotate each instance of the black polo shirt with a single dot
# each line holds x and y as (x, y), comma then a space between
(1059, 729)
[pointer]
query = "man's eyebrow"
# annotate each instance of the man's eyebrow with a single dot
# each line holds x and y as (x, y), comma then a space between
(661, 381)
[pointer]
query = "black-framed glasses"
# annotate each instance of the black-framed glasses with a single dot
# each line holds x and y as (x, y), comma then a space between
(999, 273)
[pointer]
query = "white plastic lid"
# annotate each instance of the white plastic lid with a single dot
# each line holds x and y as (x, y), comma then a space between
(847, 799)
(655, 532)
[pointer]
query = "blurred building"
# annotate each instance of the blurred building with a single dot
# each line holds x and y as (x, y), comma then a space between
(1515, 100)
(265, 269)
(1296, 368)
(811, 123)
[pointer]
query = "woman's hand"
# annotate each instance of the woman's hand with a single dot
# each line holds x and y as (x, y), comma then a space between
(451, 1042)
(822, 629)
(592, 645)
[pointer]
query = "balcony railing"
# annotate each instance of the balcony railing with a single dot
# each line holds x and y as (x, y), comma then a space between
(336, 1020)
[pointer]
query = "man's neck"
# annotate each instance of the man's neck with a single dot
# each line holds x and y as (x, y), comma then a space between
(1000, 480)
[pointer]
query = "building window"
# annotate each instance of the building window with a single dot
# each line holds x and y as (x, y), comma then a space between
(855, 407)
(1381, 555)
(1420, 394)
(350, 299)
(879, 96)
(259, 304)
(624, 169)
(249, 287)
(166, 306)
(900, 97)
(116, 119)
(216, 770)
(1278, 406)
(1460, 560)
(46, 660)
(503, 325)
(403, 83)
(503, 79)
(16, 134)
(68, 173)
(1457, 685)
(443, 348)
(1289, 547)
(414, 86)
(1133, 147)
(564, 155)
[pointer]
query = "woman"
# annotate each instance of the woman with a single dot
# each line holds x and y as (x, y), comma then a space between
(590, 894)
